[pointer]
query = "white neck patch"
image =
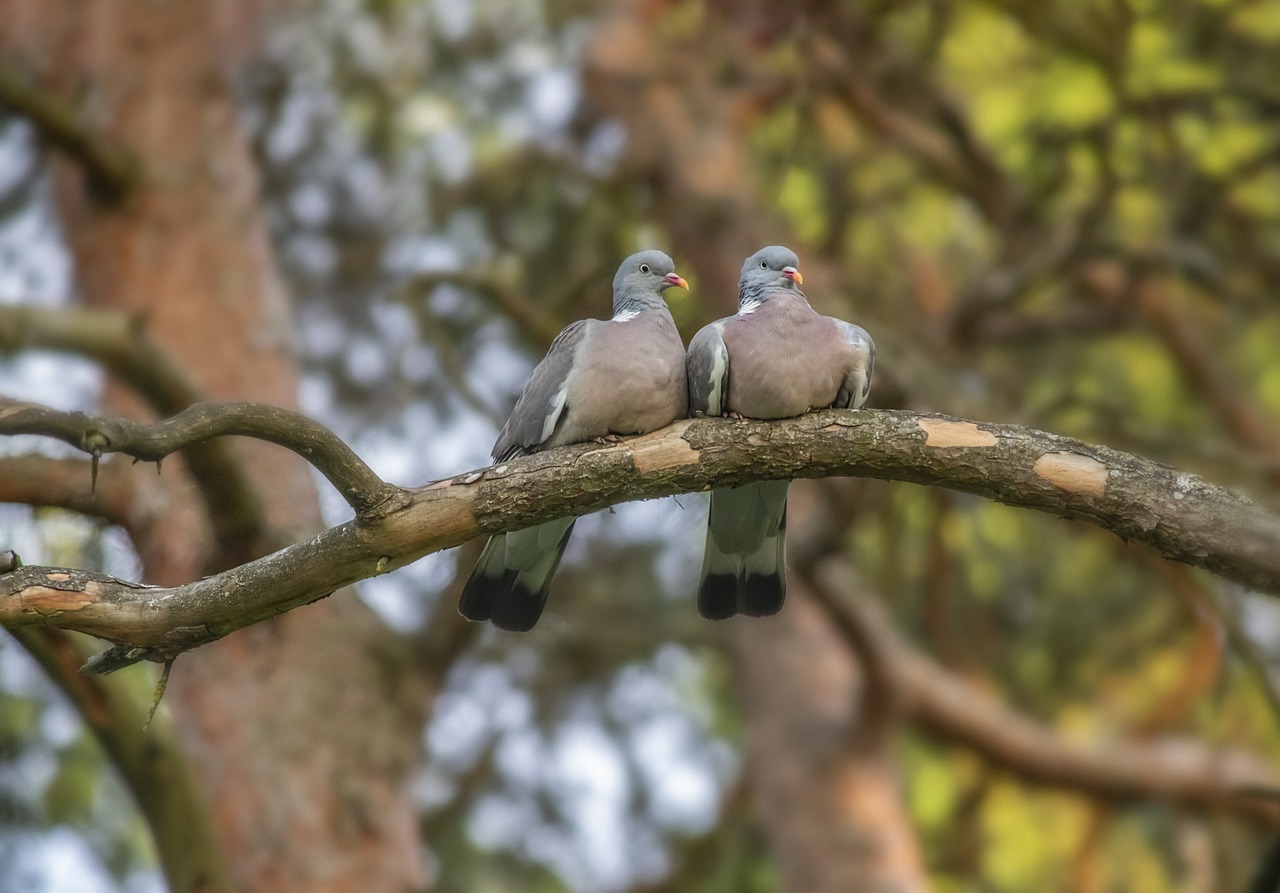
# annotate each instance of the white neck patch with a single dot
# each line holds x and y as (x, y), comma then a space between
(748, 308)
(624, 315)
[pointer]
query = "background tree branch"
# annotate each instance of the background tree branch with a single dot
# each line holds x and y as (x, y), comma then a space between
(364, 491)
(148, 755)
(959, 711)
(42, 482)
(112, 171)
(118, 341)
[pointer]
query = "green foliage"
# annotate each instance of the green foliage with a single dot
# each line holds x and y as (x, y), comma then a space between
(1028, 185)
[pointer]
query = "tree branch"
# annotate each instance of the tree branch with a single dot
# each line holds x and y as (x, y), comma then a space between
(959, 711)
(148, 757)
(118, 341)
(112, 171)
(364, 491)
(1205, 371)
(41, 482)
(1178, 514)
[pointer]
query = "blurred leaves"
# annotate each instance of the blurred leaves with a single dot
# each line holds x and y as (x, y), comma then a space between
(1008, 193)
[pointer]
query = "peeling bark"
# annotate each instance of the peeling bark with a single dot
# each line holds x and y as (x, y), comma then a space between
(1178, 514)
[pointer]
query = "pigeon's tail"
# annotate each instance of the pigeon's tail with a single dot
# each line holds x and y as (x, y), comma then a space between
(510, 583)
(744, 566)
(718, 588)
(762, 588)
(489, 580)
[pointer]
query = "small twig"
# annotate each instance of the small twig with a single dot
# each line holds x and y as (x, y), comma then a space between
(115, 658)
(161, 684)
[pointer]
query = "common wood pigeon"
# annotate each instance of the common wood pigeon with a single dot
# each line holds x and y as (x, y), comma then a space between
(776, 358)
(624, 375)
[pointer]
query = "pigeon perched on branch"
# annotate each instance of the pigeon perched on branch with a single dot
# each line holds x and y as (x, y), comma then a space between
(601, 378)
(776, 358)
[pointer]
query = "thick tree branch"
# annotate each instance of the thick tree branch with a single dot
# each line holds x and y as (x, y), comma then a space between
(112, 171)
(1178, 514)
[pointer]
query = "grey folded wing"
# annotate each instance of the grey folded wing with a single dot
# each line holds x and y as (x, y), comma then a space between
(707, 368)
(542, 402)
(857, 383)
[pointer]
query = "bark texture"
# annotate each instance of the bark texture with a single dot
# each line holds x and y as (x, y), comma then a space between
(1178, 514)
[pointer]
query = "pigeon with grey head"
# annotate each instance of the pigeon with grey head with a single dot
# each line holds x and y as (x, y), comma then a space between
(600, 378)
(774, 359)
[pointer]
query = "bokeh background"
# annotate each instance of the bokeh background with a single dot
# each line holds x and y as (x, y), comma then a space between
(1056, 213)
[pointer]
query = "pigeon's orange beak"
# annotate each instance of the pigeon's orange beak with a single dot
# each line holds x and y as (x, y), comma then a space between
(793, 274)
(675, 279)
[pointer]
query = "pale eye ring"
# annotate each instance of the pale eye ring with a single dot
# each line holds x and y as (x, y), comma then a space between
(764, 265)
(644, 268)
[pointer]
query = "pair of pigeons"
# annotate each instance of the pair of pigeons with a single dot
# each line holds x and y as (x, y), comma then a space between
(774, 359)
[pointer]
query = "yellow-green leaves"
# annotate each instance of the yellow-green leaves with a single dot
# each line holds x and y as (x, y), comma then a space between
(1159, 65)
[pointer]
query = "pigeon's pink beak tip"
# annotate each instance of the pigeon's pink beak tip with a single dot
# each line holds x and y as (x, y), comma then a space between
(793, 274)
(677, 280)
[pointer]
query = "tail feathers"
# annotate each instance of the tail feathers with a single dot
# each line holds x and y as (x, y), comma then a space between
(763, 585)
(762, 596)
(744, 565)
(518, 609)
(537, 552)
(721, 570)
(718, 597)
(488, 581)
(513, 576)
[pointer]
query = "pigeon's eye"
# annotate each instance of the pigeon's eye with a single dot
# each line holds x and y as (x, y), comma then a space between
(644, 268)
(764, 265)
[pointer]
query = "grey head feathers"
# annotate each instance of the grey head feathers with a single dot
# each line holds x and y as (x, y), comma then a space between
(641, 280)
(768, 271)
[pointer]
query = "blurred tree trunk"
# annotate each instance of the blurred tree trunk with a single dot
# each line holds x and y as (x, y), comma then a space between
(305, 767)
(821, 729)
(825, 781)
